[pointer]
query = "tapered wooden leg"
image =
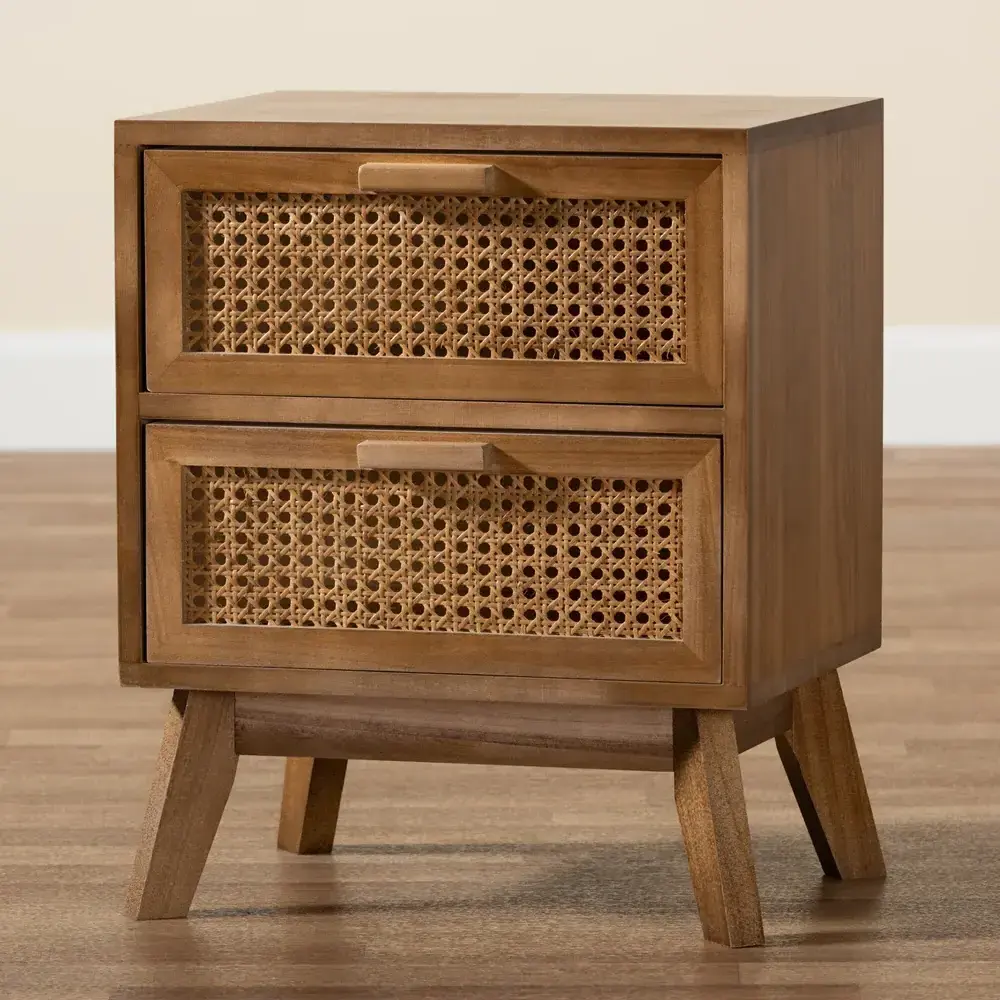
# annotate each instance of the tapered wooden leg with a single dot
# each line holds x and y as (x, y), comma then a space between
(708, 788)
(821, 761)
(310, 804)
(194, 775)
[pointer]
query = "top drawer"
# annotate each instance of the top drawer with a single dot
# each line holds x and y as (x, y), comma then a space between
(546, 278)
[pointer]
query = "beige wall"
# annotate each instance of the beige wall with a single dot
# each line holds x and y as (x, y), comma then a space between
(68, 68)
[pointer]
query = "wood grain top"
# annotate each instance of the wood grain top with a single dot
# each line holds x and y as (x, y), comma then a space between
(724, 113)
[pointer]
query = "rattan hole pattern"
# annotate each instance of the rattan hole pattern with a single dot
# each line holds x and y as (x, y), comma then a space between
(434, 551)
(434, 277)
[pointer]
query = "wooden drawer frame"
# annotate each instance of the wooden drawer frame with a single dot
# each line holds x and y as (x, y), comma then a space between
(695, 659)
(696, 181)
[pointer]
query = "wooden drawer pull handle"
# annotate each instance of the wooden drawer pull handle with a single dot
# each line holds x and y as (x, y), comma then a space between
(432, 456)
(432, 178)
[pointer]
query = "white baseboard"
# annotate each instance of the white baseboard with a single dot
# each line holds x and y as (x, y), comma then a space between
(57, 391)
(942, 387)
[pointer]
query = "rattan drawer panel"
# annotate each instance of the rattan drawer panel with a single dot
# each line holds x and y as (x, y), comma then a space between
(578, 279)
(434, 276)
(567, 556)
(437, 551)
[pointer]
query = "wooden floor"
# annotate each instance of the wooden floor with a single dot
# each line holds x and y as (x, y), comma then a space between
(460, 882)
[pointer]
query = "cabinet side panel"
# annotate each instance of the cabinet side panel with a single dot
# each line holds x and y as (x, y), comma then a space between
(815, 400)
(128, 318)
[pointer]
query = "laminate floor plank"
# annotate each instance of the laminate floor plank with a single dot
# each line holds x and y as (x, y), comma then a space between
(466, 883)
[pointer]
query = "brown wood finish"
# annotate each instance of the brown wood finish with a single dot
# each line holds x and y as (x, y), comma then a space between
(435, 178)
(815, 399)
(695, 658)
(455, 732)
(458, 456)
(128, 352)
(659, 177)
(163, 270)
(656, 111)
(525, 122)
(821, 761)
(631, 738)
(776, 439)
(194, 775)
(310, 804)
(169, 173)
(411, 684)
(735, 471)
(708, 790)
(457, 687)
(438, 414)
(498, 380)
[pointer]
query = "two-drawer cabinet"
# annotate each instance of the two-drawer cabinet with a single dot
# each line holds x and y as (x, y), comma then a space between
(494, 429)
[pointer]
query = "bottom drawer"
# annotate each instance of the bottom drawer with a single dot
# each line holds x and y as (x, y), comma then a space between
(548, 555)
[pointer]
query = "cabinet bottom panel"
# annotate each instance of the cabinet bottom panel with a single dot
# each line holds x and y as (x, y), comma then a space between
(416, 685)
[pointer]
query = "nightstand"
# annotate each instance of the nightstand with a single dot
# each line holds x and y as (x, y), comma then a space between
(537, 430)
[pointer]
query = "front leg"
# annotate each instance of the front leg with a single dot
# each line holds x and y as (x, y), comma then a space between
(194, 776)
(708, 789)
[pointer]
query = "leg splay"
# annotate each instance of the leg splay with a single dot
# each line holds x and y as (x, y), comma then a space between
(310, 804)
(821, 761)
(194, 775)
(708, 789)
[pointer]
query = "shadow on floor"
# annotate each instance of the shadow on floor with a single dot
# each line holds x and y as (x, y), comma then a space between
(928, 894)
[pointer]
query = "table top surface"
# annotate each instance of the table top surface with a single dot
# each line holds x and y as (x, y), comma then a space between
(579, 110)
